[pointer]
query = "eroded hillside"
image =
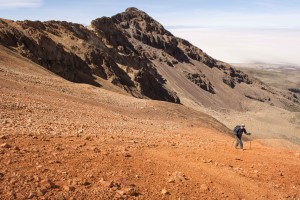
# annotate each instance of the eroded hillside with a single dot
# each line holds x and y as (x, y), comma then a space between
(63, 140)
(134, 53)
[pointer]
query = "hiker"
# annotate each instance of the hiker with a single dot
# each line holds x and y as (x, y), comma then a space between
(238, 132)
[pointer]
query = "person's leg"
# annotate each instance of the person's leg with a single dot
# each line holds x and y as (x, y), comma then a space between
(239, 141)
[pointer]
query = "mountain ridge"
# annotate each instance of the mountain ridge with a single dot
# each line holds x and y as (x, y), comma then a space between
(137, 54)
(63, 140)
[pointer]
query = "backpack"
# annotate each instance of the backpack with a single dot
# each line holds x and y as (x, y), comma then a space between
(236, 129)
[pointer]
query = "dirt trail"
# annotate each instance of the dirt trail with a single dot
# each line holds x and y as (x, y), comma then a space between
(60, 140)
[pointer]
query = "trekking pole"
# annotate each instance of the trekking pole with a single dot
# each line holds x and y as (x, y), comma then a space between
(250, 141)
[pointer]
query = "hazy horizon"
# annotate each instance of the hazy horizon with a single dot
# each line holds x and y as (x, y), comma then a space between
(246, 45)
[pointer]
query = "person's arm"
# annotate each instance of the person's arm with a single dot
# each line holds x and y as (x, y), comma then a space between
(245, 131)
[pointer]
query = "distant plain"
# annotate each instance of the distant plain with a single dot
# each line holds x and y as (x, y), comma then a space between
(279, 76)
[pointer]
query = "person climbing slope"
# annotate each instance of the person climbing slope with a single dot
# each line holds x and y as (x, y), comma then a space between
(238, 132)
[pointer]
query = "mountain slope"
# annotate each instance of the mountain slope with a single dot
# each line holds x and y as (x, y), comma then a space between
(135, 53)
(63, 140)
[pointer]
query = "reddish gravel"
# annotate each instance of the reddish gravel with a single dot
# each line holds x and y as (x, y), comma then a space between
(60, 140)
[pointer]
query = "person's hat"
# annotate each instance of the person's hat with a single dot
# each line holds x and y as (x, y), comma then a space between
(242, 125)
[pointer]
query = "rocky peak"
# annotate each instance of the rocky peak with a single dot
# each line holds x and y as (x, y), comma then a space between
(130, 50)
(134, 18)
(133, 9)
(143, 28)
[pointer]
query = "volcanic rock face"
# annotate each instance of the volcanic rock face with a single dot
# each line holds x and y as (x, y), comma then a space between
(138, 55)
(201, 81)
(79, 54)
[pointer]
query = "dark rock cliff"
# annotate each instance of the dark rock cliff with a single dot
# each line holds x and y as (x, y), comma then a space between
(130, 50)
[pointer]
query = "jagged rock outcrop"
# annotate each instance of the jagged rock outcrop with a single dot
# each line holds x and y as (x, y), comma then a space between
(78, 54)
(294, 90)
(137, 54)
(144, 28)
(201, 81)
(28, 39)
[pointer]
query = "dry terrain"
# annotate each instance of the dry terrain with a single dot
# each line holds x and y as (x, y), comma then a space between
(280, 76)
(64, 140)
(266, 122)
(132, 54)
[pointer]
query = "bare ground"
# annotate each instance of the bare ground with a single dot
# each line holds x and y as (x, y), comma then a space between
(61, 140)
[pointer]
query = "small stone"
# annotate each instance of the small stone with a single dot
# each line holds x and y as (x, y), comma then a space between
(255, 171)
(119, 195)
(204, 187)
(281, 174)
(85, 183)
(125, 182)
(4, 137)
(177, 177)
(69, 188)
(165, 192)
(276, 186)
(39, 167)
(130, 191)
(12, 194)
(120, 192)
(1, 175)
(17, 148)
(59, 148)
(127, 155)
(80, 131)
(96, 150)
(5, 145)
(13, 181)
(48, 184)
(32, 195)
(171, 180)
(107, 184)
(236, 169)
(125, 149)
(89, 138)
(42, 191)
(36, 178)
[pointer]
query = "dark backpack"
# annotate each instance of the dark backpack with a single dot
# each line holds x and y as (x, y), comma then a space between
(236, 129)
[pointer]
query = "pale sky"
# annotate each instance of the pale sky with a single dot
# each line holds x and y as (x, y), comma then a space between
(229, 30)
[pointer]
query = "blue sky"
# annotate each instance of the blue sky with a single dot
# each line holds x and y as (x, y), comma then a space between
(225, 13)
(231, 22)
